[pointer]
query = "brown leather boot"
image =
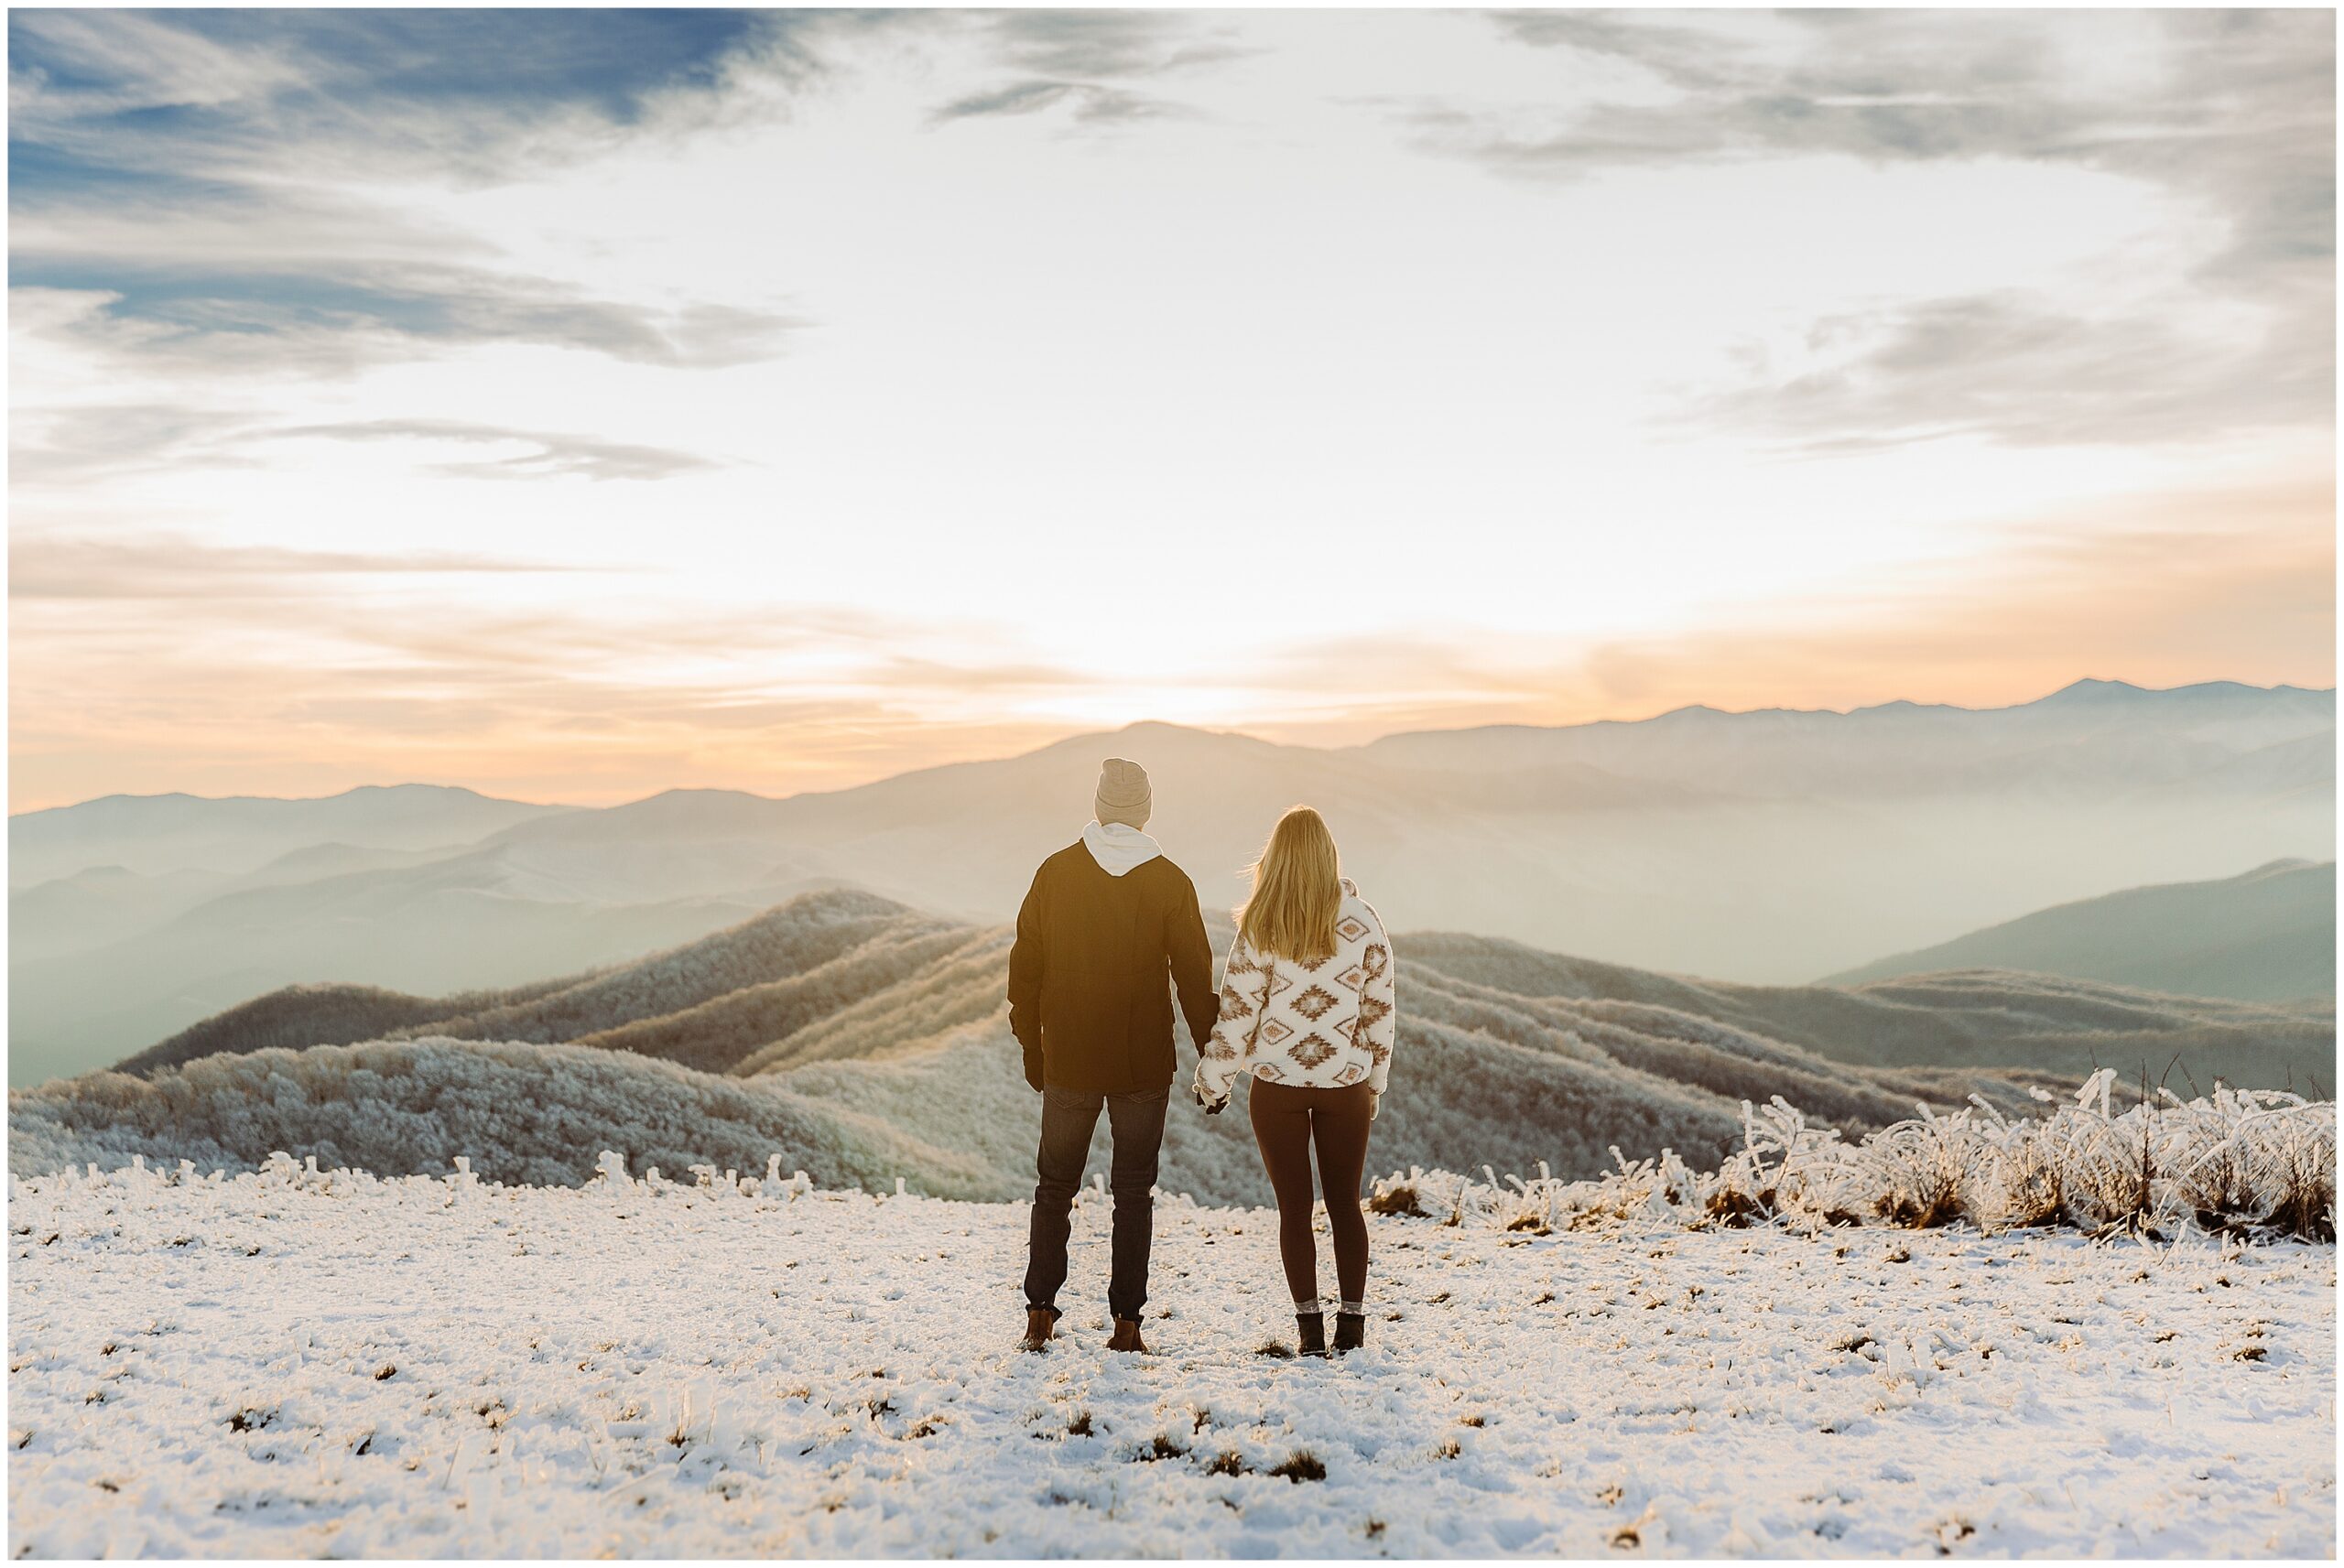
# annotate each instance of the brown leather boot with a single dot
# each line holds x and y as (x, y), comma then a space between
(1127, 1336)
(1040, 1323)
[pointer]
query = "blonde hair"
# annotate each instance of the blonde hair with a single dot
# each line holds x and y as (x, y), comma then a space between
(1298, 891)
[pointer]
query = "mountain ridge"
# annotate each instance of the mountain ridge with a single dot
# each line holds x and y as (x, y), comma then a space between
(1763, 848)
(2085, 686)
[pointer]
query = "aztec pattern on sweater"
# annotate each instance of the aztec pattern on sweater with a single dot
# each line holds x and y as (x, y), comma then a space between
(1319, 1025)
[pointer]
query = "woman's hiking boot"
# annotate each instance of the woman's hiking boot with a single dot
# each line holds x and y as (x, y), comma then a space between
(1350, 1331)
(1310, 1327)
(1127, 1336)
(1040, 1323)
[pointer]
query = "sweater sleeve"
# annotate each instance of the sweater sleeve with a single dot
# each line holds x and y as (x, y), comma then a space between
(1188, 950)
(1379, 1002)
(1225, 1053)
(1025, 967)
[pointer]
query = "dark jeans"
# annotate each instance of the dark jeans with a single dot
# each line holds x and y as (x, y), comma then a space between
(1069, 1116)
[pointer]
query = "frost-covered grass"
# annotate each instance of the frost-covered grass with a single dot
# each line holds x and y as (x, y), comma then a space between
(291, 1363)
(2253, 1162)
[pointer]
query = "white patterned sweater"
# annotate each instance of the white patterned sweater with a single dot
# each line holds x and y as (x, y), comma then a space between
(1319, 1025)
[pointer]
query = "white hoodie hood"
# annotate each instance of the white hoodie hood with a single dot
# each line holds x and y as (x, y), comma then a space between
(1119, 847)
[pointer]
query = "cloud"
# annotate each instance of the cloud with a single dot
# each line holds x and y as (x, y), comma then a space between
(1094, 106)
(2234, 110)
(475, 93)
(1106, 43)
(53, 566)
(162, 659)
(68, 445)
(203, 175)
(74, 445)
(1084, 59)
(335, 318)
(2005, 366)
(546, 456)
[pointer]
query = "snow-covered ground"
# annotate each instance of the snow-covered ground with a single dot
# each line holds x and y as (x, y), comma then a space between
(290, 1364)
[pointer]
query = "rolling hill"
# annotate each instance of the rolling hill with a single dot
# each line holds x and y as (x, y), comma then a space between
(865, 1040)
(1763, 847)
(2267, 935)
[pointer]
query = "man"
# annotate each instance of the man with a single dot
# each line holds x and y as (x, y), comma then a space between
(1107, 919)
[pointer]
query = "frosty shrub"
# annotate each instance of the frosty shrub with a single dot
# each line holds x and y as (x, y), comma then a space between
(2254, 1163)
(521, 1113)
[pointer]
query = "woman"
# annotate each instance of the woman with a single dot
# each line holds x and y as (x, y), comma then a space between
(1308, 1007)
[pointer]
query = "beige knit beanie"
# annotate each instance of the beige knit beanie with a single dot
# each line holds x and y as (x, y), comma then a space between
(1124, 793)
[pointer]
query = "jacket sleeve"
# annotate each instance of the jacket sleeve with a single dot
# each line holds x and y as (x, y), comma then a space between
(1243, 985)
(1379, 1002)
(1188, 950)
(1025, 977)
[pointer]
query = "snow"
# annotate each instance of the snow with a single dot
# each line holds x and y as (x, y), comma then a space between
(297, 1363)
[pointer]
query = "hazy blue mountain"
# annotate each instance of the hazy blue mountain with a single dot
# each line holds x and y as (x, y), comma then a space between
(1763, 847)
(2266, 936)
(153, 834)
(98, 905)
(2094, 735)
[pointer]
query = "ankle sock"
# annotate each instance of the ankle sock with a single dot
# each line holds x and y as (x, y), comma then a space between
(1306, 1309)
(1357, 1309)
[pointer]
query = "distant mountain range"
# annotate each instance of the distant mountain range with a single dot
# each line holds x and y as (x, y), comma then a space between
(157, 834)
(2267, 935)
(864, 1039)
(1760, 847)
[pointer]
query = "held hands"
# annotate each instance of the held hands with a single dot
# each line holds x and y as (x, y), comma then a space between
(1212, 1106)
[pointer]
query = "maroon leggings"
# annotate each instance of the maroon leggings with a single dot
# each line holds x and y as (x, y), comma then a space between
(1286, 1121)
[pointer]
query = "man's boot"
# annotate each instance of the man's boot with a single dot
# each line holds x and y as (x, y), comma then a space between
(1127, 1336)
(1040, 1323)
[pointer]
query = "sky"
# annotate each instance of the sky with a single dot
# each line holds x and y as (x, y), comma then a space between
(577, 404)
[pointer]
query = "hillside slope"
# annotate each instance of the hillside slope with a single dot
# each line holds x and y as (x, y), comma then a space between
(2266, 936)
(867, 1038)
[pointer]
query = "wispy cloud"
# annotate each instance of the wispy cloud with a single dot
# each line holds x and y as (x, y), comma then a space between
(260, 315)
(199, 175)
(168, 566)
(2234, 110)
(1088, 59)
(476, 93)
(75, 445)
(1093, 104)
(542, 455)
(2012, 367)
